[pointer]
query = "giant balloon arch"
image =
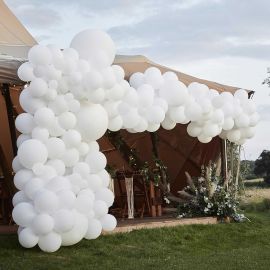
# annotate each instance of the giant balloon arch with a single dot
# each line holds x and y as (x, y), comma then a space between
(73, 97)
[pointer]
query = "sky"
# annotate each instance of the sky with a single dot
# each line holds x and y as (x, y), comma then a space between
(226, 41)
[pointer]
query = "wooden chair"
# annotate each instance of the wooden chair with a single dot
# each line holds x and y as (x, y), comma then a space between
(141, 197)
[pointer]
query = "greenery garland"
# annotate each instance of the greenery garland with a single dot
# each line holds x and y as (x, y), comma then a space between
(154, 173)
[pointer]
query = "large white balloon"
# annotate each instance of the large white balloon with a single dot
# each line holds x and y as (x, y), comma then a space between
(31, 152)
(95, 46)
(92, 121)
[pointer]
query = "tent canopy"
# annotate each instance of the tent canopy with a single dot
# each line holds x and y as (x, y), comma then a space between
(139, 63)
(15, 41)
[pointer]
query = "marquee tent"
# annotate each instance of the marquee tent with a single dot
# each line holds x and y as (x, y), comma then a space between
(177, 149)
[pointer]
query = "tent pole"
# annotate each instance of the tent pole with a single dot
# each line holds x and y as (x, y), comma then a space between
(224, 159)
(9, 108)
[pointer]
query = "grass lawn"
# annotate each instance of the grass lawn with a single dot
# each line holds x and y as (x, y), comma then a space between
(223, 246)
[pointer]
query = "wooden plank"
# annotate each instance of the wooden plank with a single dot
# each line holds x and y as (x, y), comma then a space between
(124, 228)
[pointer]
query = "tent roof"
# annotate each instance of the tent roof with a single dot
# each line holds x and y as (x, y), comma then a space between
(15, 41)
(139, 63)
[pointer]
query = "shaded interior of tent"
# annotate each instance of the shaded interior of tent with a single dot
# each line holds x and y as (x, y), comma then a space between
(178, 151)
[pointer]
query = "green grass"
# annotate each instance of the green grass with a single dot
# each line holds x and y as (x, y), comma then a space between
(222, 246)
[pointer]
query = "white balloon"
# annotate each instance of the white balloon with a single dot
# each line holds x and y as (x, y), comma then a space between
(177, 114)
(115, 123)
(242, 121)
(174, 92)
(25, 72)
(44, 117)
(46, 202)
(118, 72)
(168, 123)
(27, 238)
(23, 214)
(241, 94)
(155, 114)
(78, 231)
(58, 165)
(67, 120)
(38, 87)
(94, 182)
(169, 75)
(193, 129)
(72, 138)
(204, 139)
(33, 186)
(83, 148)
(63, 220)
(228, 123)
(210, 130)
(94, 229)
(96, 160)
(136, 79)
(32, 151)
(108, 222)
(59, 105)
(70, 157)
(24, 123)
(22, 177)
(41, 134)
(66, 199)
(153, 77)
(50, 242)
(105, 195)
(19, 197)
(16, 165)
(40, 55)
(58, 183)
(92, 121)
(56, 148)
(106, 178)
(152, 127)
(100, 208)
(29, 103)
(94, 46)
(21, 138)
(234, 135)
(42, 224)
(81, 168)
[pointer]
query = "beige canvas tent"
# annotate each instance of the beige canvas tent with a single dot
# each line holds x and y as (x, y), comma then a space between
(178, 151)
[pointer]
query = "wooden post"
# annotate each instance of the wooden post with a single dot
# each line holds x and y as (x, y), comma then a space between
(158, 202)
(11, 122)
(238, 166)
(224, 160)
(152, 199)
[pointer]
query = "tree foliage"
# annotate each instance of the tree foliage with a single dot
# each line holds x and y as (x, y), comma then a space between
(262, 166)
(247, 169)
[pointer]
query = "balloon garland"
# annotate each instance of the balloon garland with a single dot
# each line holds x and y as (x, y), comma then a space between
(73, 96)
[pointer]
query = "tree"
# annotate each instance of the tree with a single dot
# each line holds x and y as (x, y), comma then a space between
(247, 169)
(267, 80)
(262, 166)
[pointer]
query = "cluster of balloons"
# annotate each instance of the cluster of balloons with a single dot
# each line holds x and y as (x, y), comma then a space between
(73, 97)
(166, 101)
(63, 192)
